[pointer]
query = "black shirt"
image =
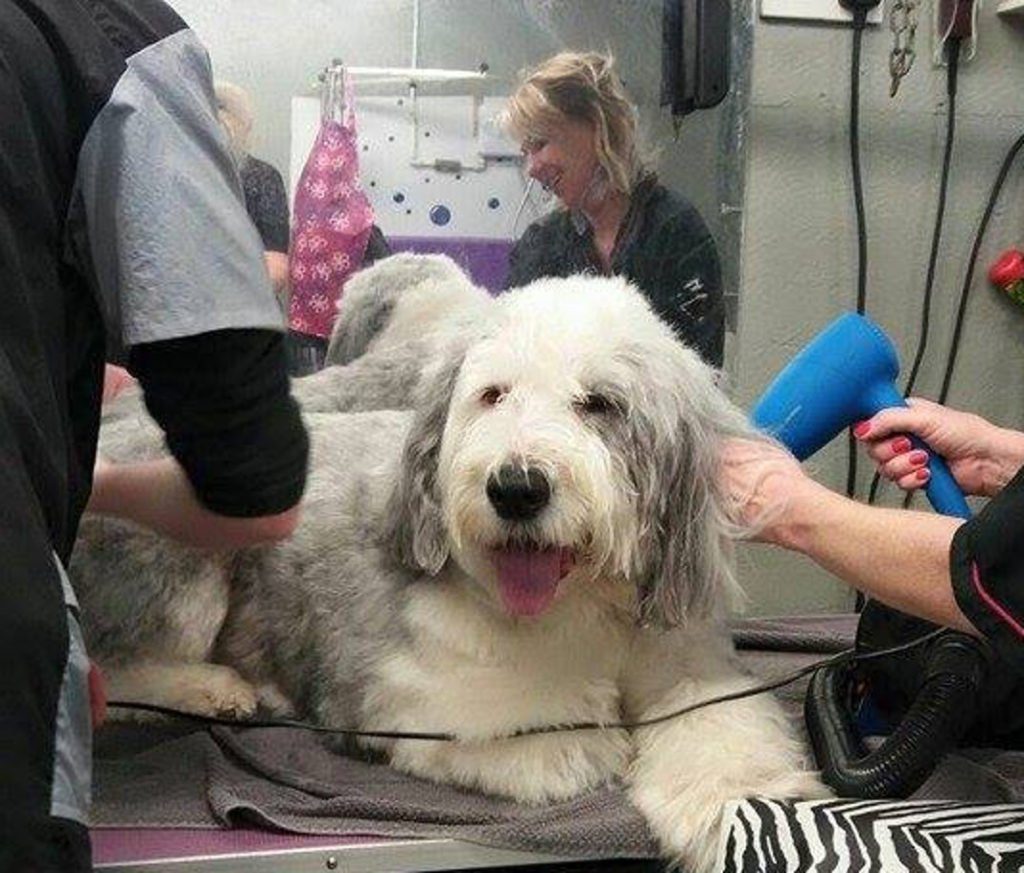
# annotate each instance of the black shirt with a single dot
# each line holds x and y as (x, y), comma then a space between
(664, 248)
(987, 567)
(266, 202)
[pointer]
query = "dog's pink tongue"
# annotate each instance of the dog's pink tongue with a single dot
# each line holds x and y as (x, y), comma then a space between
(529, 579)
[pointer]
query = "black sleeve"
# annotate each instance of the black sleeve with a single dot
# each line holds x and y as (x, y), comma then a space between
(987, 569)
(222, 399)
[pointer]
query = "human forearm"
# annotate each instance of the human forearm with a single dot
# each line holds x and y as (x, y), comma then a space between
(277, 267)
(1008, 459)
(898, 557)
(157, 495)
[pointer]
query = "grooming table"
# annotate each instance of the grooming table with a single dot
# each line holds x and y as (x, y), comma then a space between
(171, 799)
(241, 850)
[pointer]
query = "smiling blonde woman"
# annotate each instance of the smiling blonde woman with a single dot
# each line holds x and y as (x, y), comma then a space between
(578, 132)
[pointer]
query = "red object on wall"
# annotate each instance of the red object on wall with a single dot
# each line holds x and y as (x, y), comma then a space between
(1007, 273)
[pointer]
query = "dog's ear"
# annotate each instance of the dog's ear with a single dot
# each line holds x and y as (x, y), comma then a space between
(359, 322)
(416, 531)
(679, 419)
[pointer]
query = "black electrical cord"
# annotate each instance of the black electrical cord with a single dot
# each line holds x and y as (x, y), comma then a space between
(952, 57)
(848, 656)
(858, 184)
(860, 11)
(965, 289)
(952, 71)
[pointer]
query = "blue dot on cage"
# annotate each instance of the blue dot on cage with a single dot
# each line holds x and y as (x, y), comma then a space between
(494, 203)
(440, 214)
(398, 197)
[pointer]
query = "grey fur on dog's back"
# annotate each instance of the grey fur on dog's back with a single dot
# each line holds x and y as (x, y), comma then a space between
(337, 545)
(400, 299)
(380, 379)
(342, 592)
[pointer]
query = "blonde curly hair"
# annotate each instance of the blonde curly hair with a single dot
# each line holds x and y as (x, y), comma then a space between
(583, 87)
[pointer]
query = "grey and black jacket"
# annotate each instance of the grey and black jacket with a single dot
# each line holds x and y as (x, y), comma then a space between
(123, 238)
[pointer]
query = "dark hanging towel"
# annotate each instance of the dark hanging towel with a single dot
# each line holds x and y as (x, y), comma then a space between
(695, 48)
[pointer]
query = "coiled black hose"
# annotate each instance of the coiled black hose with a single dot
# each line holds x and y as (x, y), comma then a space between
(936, 720)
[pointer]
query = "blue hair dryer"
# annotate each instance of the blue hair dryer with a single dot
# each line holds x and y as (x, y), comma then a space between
(845, 374)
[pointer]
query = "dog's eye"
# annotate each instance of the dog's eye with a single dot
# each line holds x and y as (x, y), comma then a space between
(594, 404)
(492, 395)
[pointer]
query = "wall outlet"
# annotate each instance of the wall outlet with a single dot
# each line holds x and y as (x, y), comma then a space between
(828, 11)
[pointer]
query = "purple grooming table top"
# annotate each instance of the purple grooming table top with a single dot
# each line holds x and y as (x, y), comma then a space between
(192, 850)
(121, 845)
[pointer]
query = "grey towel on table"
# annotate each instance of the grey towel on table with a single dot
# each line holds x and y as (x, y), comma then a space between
(170, 776)
(296, 783)
(289, 780)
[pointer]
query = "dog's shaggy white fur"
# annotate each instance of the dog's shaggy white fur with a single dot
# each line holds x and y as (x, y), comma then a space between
(542, 542)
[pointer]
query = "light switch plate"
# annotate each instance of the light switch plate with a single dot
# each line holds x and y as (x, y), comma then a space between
(825, 11)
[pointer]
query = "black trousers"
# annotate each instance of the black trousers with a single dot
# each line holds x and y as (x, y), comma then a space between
(34, 649)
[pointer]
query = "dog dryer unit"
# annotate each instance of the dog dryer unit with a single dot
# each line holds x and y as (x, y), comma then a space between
(924, 700)
(847, 373)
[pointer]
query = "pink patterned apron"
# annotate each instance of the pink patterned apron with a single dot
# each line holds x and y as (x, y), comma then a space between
(332, 217)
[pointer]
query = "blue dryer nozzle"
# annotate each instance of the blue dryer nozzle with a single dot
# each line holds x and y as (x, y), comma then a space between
(845, 374)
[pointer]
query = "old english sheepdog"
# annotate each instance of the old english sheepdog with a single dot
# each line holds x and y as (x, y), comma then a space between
(541, 542)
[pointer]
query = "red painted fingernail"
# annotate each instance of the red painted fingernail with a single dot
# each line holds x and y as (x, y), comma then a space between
(861, 429)
(901, 445)
(918, 457)
(922, 474)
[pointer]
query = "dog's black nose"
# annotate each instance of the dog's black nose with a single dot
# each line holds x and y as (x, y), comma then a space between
(518, 494)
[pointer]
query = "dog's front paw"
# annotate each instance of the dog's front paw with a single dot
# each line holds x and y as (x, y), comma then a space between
(203, 689)
(218, 691)
(797, 785)
(689, 825)
(539, 769)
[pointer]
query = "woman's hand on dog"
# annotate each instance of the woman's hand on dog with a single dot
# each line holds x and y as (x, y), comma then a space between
(764, 487)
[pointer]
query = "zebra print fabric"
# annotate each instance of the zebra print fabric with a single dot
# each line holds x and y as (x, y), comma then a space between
(847, 836)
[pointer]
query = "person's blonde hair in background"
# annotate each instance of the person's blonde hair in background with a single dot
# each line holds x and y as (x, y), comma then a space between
(236, 114)
(581, 87)
(265, 198)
